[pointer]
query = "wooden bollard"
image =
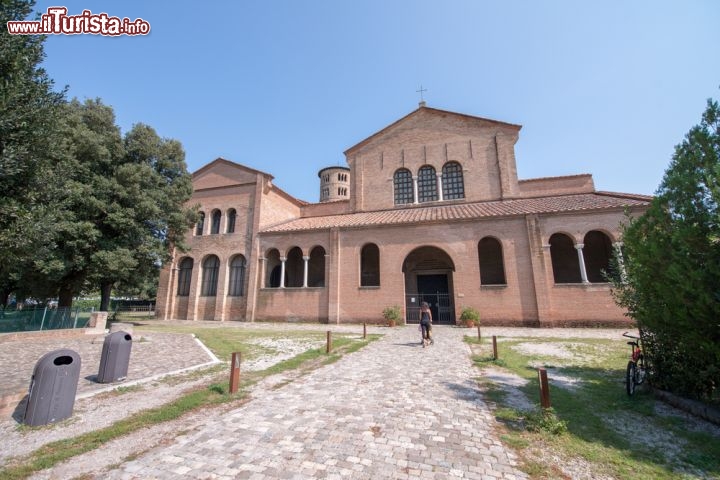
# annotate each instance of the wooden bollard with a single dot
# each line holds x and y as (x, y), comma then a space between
(495, 355)
(329, 342)
(544, 388)
(479, 336)
(364, 331)
(235, 372)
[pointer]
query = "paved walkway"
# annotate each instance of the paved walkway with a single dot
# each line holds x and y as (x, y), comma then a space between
(391, 410)
(151, 354)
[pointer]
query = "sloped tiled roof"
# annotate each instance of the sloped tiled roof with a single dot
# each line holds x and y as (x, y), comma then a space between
(467, 211)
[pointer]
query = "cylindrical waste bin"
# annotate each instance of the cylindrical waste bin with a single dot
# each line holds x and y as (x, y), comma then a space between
(52, 388)
(115, 357)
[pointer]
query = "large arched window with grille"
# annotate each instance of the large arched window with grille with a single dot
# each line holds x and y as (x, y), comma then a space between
(211, 267)
(597, 252)
(316, 267)
(370, 266)
(200, 225)
(566, 268)
(237, 276)
(231, 216)
(403, 186)
(452, 181)
(427, 184)
(184, 276)
(215, 222)
(492, 268)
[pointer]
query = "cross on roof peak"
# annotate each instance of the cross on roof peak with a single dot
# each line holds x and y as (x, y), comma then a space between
(422, 99)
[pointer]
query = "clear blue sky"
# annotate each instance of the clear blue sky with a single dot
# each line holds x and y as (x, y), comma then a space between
(606, 87)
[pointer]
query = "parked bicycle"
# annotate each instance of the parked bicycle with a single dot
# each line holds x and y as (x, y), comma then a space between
(636, 368)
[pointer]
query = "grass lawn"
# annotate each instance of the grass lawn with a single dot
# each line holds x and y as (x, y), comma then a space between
(592, 418)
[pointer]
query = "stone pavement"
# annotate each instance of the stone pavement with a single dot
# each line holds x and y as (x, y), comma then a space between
(152, 354)
(390, 410)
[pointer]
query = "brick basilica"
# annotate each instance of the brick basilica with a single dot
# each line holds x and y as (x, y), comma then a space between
(428, 209)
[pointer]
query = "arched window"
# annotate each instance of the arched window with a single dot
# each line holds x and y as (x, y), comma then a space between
(316, 267)
(215, 225)
(566, 268)
(200, 226)
(370, 266)
(597, 251)
(294, 267)
(184, 277)
(231, 216)
(452, 181)
(427, 184)
(237, 276)
(403, 185)
(492, 269)
(211, 267)
(272, 269)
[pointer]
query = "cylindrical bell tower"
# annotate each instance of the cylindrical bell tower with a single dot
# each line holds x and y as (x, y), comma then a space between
(334, 184)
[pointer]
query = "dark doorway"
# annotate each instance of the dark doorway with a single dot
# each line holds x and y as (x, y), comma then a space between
(428, 278)
(429, 287)
(434, 290)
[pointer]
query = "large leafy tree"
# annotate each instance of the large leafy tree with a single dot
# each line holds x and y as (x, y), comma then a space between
(28, 112)
(124, 205)
(673, 266)
(150, 190)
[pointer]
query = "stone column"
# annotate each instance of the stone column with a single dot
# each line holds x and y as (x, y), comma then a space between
(305, 270)
(439, 186)
(581, 259)
(282, 271)
(261, 274)
(415, 189)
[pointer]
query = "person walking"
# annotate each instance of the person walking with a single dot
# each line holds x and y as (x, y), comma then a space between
(426, 324)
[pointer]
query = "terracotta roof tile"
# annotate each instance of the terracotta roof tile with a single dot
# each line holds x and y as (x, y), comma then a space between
(466, 211)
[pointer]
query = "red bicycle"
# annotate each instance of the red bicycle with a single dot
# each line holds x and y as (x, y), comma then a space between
(636, 368)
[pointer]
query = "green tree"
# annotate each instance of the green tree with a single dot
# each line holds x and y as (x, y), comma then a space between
(28, 115)
(672, 265)
(151, 188)
(123, 205)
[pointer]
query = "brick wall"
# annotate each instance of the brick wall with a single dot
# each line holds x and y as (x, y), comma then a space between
(337, 207)
(538, 187)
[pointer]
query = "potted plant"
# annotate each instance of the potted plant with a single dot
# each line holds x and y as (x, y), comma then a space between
(469, 317)
(393, 315)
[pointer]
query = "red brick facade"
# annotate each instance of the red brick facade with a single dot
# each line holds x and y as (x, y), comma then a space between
(435, 212)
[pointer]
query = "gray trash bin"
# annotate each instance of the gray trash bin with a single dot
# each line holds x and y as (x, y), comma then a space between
(115, 357)
(52, 388)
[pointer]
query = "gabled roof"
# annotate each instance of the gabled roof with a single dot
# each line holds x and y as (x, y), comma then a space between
(468, 211)
(220, 160)
(421, 110)
(224, 162)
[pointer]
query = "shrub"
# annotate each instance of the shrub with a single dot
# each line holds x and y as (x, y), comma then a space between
(393, 315)
(469, 316)
(545, 420)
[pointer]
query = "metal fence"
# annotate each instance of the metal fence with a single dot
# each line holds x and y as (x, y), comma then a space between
(32, 319)
(440, 303)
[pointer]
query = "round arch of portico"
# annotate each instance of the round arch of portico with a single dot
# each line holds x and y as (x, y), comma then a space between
(576, 238)
(285, 250)
(611, 235)
(579, 237)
